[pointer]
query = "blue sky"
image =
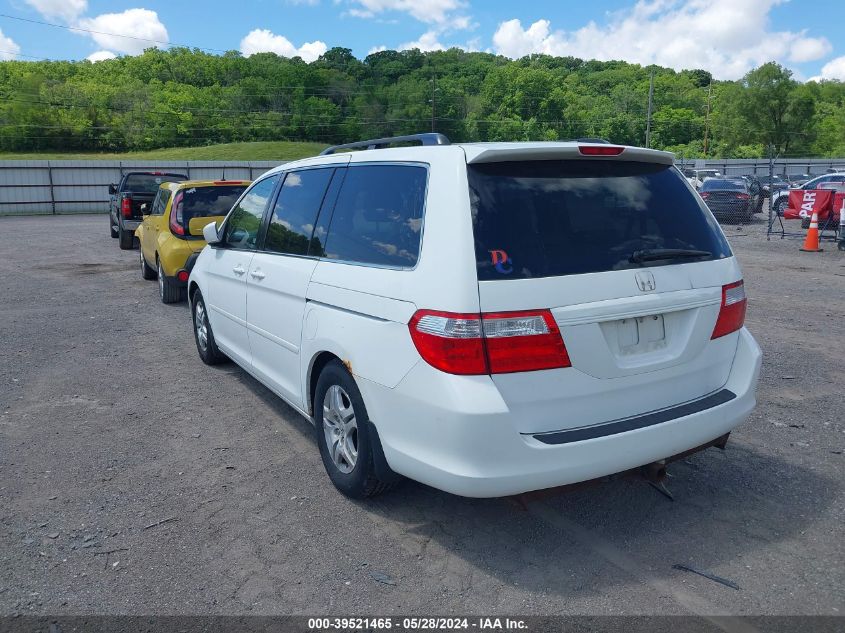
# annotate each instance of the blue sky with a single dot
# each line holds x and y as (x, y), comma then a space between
(727, 37)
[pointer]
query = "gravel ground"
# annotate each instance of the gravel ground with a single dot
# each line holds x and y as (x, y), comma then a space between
(136, 480)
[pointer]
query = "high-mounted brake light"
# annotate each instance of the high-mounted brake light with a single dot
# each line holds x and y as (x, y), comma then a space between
(600, 150)
(176, 215)
(126, 206)
(732, 311)
(229, 182)
(489, 343)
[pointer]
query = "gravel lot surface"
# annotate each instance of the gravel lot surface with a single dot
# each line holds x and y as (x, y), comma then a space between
(136, 480)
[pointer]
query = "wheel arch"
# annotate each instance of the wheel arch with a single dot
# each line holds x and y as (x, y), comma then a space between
(315, 368)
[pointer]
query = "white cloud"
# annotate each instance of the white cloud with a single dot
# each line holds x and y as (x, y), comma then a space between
(428, 11)
(377, 49)
(726, 37)
(66, 10)
(100, 56)
(427, 42)
(9, 49)
(265, 41)
(834, 69)
(137, 23)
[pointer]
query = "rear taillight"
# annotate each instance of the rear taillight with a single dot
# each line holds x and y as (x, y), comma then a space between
(600, 150)
(126, 206)
(732, 310)
(742, 196)
(176, 216)
(491, 343)
(704, 195)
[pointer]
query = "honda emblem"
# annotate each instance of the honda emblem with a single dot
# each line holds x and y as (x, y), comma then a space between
(645, 281)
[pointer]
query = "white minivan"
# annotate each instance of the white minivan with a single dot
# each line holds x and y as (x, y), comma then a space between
(485, 318)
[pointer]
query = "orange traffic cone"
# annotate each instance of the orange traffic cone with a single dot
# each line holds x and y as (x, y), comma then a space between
(811, 242)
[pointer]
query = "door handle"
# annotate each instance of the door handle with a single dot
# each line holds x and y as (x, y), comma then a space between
(257, 274)
(239, 270)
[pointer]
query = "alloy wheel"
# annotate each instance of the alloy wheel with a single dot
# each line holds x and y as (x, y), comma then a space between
(340, 428)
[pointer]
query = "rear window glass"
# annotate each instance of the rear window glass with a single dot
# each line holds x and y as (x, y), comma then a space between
(734, 185)
(203, 202)
(553, 218)
(378, 216)
(149, 183)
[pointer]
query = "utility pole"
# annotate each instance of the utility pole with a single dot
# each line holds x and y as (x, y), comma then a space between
(707, 116)
(434, 102)
(648, 116)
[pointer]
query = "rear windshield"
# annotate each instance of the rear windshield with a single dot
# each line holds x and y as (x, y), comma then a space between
(553, 218)
(202, 202)
(149, 183)
(733, 185)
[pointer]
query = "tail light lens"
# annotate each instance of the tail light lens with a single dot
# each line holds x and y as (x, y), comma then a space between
(126, 206)
(704, 195)
(176, 215)
(732, 311)
(742, 196)
(490, 343)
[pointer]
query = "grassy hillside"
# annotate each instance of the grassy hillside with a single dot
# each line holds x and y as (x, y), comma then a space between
(262, 150)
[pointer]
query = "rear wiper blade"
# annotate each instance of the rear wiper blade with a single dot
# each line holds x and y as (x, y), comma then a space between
(654, 254)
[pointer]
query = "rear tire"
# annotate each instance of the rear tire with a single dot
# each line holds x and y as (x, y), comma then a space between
(203, 336)
(126, 238)
(343, 435)
(167, 290)
(147, 272)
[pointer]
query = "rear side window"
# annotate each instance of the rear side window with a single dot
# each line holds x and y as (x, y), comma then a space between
(378, 216)
(292, 223)
(160, 202)
(149, 183)
(552, 218)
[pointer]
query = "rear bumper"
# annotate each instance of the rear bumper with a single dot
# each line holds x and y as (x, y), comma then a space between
(130, 225)
(456, 434)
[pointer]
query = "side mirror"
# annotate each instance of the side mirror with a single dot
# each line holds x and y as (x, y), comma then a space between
(112, 189)
(210, 234)
(145, 209)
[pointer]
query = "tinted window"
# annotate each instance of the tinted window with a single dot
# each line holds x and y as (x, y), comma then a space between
(292, 223)
(734, 185)
(148, 183)
(378, 216)
(160, 203)
(202, 202)
(552, 218)
(245, 218)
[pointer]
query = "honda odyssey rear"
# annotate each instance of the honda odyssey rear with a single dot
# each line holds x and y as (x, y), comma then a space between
(534, 315)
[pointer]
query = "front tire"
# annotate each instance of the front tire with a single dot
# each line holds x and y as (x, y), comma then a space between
(343, 434)
(112, 230)
(167, 290)
(125, 238)
(203, 336)
(780, 206)
(147, 271)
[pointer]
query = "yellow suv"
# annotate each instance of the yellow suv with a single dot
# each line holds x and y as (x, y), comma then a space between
(171, 231)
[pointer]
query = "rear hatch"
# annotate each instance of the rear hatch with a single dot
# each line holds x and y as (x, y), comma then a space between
(631, 267)
(203, 204)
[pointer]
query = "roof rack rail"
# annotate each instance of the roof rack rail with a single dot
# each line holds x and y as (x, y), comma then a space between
(429, 138)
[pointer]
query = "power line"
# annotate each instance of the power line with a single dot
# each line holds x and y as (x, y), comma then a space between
(92, 31)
